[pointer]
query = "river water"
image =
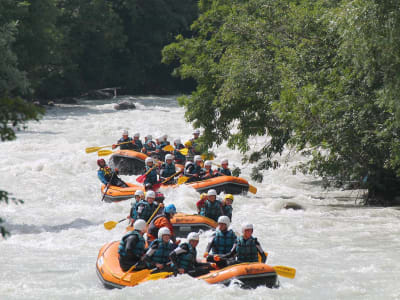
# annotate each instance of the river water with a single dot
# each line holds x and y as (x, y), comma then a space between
(340, 249)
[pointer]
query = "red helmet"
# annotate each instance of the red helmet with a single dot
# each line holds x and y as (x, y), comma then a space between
(101, 162)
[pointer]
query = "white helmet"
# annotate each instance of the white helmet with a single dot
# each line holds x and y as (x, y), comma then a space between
(163, 231)
(225, 220)
(150, 194)
(136, 135)
(208, 163)
(198, 158)
(125, 132)
(188, 163)
(139, 193)
(168, 156)
(196, 131)
(140, 225)
(177, 141)
(246, 226)
(212, 192)
(193, 236)
(148, 159)
(149, 137)
(224, 161)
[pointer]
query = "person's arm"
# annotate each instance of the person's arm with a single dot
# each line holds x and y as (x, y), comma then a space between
(209, 245)
(174, 255)
(261, 251)
(232, 253)
(100, 174)
(130, 246)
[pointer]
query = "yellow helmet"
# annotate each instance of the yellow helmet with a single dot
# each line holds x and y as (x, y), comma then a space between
(203, 195)
(188, 144)
(228, 196)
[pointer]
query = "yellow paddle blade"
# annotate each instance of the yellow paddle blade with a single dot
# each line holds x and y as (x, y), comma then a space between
(252, 189)
(184, 151)
(92, 149)
(182, 179)
(104, 152)
(159, 275)
(168, 148)
(139, 276)
(285, 271)
(110, 225)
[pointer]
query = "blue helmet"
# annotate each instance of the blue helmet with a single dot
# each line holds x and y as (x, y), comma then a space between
(170, 209)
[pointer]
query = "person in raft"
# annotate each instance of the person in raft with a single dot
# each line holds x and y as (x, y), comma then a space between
(221, 242)
(162, 220)
(223, 170)
(193, 170)
(208, 171)
(139, 195)
(245, 249)
(137, 142)
(227, 206)
(132, 247)
(125, 143)
(194, 140)
(212, 206)
(168, 169)
(146, 208)
(152, 176)
(157, 256)
(107, 175)
(179, 157)
(201, 204)
(184, 258)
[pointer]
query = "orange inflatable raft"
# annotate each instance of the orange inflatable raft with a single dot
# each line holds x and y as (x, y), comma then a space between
(116, 193)
(185, 223)
(247, 275)
(228, 184)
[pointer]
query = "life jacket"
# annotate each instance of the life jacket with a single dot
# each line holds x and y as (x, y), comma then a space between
(107, 172)
(127, 146)
(152, 176)
(226, 172)
(212, 210)
(161, 255)
(167, 170)
(247, 250)
(151, 147)
(153, 229)
(223, 241)
(227, 209)
(139, 247)
(179, 157)
(187, 260)
(139, 144)
(147, 211)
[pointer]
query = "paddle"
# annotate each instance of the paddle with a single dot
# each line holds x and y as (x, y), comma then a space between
(157, 186)
(111, 224)
(183, 179)
(94, 149)
(142, 178)
(285, 271)
(252, 189)
(107, 187)
(154, 213)
(184, 151)
(168, 148)
(104, 152)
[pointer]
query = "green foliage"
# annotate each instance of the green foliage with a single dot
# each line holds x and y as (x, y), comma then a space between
(321, 77)
(5, 197)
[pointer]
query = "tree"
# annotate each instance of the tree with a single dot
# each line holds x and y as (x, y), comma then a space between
(319, 76)
(14, 112)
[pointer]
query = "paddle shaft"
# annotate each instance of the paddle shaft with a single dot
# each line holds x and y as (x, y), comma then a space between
(107, 187)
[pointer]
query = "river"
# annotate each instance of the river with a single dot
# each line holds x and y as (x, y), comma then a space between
(341, 250)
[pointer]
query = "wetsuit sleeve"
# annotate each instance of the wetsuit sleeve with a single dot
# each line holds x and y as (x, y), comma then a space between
(210, 243)
(174, 254)
(261, 251)
(153, 247)
(100, 174)
(130, 245)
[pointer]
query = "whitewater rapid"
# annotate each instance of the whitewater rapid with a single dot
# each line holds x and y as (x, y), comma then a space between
(340, 249)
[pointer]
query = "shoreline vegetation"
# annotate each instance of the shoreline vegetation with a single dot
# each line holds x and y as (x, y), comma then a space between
(318, 77)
